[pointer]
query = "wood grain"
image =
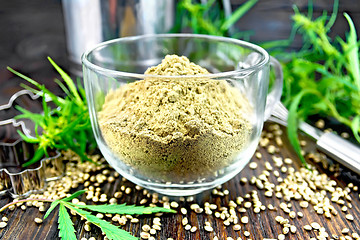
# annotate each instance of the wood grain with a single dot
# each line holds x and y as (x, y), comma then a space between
(262, 225)
(25, 21)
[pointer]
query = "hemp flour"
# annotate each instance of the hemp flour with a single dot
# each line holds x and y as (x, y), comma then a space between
(176, 129)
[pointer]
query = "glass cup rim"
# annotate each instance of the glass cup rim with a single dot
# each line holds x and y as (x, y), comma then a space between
(116, 73)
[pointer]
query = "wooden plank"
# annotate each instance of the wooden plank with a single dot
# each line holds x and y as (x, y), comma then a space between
(262, 225)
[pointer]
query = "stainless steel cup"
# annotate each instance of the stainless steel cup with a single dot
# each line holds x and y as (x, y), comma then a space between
(89, 22)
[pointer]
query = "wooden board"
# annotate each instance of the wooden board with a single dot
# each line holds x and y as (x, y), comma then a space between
(261, 225)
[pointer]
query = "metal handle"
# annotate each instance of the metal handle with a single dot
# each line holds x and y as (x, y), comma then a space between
(341, 150)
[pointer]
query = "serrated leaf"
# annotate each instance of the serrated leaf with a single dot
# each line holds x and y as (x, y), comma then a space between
(51, 208)
(66, 227)
(74, 195)
(112, 232)
(125, 209)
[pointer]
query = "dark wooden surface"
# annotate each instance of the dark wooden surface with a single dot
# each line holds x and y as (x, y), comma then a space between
(32, 30)
(262, 225)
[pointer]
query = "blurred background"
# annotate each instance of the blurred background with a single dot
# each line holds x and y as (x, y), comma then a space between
(33, 30)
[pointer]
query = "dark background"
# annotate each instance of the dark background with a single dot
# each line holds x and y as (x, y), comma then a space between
(33, 30)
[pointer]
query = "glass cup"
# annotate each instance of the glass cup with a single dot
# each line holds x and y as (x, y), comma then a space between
(179, 135)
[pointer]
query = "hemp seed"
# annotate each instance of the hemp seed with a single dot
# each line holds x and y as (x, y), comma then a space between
(349, 217)
(208, 228)
(245, 219)
(3, 224)
(307, 227)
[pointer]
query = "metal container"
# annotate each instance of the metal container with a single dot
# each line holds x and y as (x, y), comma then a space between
(89, 22)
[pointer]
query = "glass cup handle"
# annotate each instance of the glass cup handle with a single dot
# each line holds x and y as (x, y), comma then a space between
(275, 92)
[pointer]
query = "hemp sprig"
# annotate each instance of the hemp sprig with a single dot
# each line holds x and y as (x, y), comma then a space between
(112, 232)
(65, 126)
(322, 78)
(210, 18)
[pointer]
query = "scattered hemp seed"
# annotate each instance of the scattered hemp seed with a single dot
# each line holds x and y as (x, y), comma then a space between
(208, 228)
(320, 123)
(292, 214)
(146, 228)
(268, 194)
(3, 224)
(304, 204)
(187, 227)
(87, 227)
(355, 235)
(245, 219)
(243, 180)
(4, 219)
(286, 230)
(281, 237)
(246, 233)
(38, 220)
(144, 235)
(279, 219)
(42, 209)
(315, 225)
(118, 194)
(236, 227)
(174, 204)
(327, 214)
(307, 227)
(183, 211)
(258, 155)
(247, 204)
(156, 228)
(253, 165)
(184, 221)
(349, 217)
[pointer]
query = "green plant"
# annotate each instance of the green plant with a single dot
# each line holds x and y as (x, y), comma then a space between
(323, 77)
(112, 232)
(67, 126)
(210, 18)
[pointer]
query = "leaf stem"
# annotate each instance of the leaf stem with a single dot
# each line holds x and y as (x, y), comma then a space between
(25, 200)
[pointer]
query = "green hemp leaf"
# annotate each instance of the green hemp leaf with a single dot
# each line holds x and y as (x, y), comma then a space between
(63, 126)
(66, 228)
